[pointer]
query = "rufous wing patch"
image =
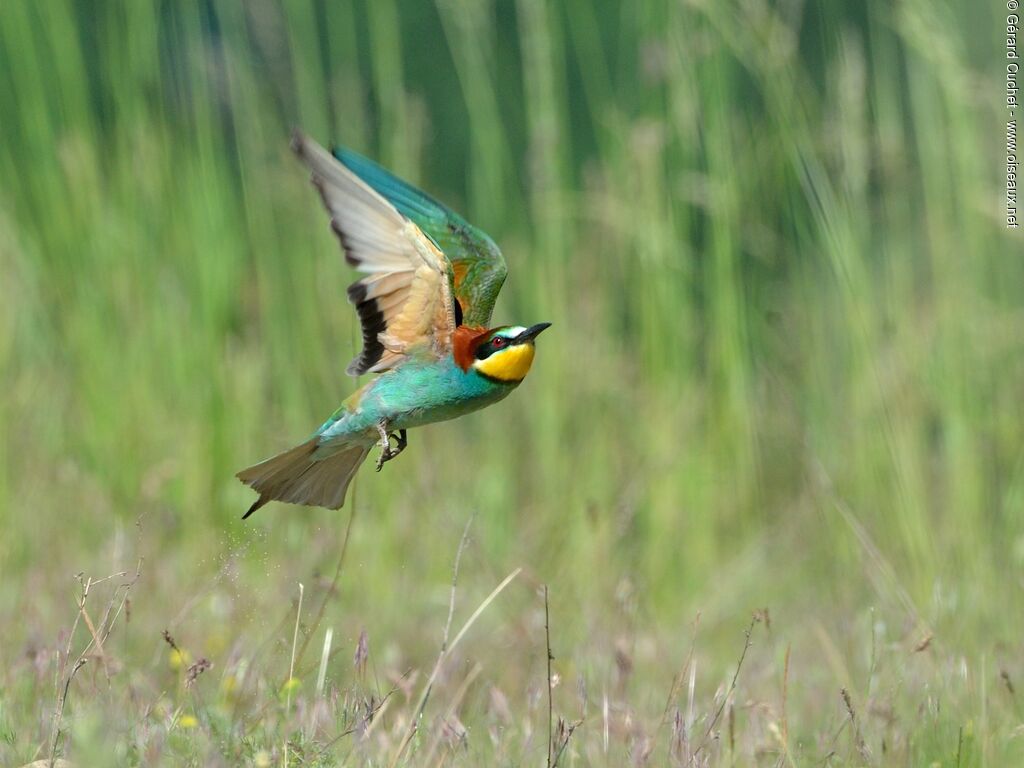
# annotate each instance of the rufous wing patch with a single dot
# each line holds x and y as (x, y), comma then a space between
(406, 301)
(459, 270)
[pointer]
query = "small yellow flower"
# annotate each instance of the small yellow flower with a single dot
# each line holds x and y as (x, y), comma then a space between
(179, 658)
(228, 685)
(261, 759)
(187, 721)
(291, 685)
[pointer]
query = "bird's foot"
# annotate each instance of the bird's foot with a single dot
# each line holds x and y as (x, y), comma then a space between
(401, 440)
(387, 453)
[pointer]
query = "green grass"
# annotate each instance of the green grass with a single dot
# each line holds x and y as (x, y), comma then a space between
(784, 379)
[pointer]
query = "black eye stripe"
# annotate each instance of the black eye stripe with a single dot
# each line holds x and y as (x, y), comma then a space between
(496, 344)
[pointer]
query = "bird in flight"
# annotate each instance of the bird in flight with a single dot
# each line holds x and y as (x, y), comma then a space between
(424, 306)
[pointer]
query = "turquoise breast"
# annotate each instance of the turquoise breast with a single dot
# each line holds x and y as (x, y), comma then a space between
(417, 393)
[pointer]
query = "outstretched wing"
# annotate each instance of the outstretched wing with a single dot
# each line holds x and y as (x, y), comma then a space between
(406, 300)
(478, 267)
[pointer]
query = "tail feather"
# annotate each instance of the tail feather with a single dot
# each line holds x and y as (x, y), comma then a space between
(305, 474)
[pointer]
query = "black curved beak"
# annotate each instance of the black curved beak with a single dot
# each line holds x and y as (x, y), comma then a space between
(531, 333)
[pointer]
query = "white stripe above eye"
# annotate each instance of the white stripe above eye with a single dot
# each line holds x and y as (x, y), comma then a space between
(511, 332)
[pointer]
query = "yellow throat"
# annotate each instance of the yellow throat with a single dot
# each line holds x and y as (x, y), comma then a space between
(511, 364)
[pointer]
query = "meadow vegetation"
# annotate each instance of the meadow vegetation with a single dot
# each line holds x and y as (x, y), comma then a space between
(769, 464)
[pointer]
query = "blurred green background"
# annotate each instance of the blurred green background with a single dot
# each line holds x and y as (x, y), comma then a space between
(785, 372)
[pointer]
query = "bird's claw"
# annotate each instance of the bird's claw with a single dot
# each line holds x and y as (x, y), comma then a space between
(387, 453)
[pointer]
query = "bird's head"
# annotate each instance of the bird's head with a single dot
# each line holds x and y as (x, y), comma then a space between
(502, 354)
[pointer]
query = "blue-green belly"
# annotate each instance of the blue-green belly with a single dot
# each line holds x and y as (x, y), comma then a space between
(414, 394)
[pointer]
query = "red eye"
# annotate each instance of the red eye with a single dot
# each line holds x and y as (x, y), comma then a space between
(498, 342)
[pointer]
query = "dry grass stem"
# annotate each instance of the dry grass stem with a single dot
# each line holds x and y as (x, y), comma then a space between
(550, 658)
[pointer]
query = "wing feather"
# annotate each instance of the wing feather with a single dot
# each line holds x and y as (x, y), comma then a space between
(405, 302)
(477, 264)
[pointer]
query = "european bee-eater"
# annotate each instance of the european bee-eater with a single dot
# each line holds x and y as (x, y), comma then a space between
(424, 309)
